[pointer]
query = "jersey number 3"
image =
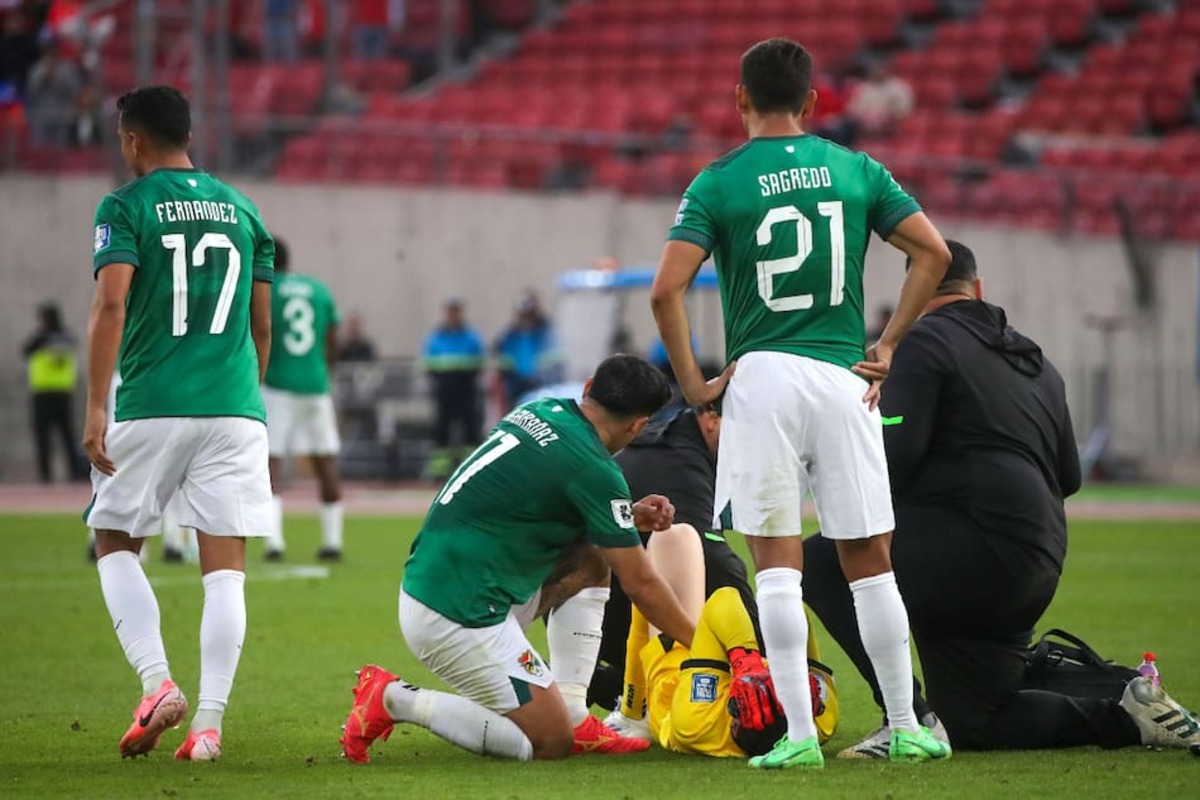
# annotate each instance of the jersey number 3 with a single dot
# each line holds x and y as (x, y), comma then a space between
(767, 270)
(177, 244)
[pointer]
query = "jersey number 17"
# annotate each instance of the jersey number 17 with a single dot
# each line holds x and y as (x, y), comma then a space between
(177, 244)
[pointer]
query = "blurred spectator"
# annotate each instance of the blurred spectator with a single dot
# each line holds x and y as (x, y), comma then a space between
(87, 126)
(373, 21)
(281, 30)
(882, 317)
(356, 346)
(829, 119)
(50, 353)
(18, 52)
(528, 356)
(52, 90)
(880, 101)
(453, 357)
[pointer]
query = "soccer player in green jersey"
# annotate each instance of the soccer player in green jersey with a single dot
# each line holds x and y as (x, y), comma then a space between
(787, 218)
(300, 416)
(542, 485)
(183, 266)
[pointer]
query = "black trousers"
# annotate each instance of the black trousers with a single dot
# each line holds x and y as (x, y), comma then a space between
(456, 398)
(722, 567)
(51, 411)
(973, 601)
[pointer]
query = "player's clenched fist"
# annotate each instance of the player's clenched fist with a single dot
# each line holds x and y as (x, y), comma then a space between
(653, 512)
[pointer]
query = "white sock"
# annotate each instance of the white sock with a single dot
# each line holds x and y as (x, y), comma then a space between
(457, 720)
(331, 526)
(573, 634)
(174, 536)
(222, 631)
(883, 628)
(134, 611)
(785, 638)
(275, 534)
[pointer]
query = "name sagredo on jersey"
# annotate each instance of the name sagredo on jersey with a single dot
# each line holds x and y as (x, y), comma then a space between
(789, 180)
(195, 211)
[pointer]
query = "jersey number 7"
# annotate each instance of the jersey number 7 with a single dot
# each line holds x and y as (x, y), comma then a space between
(496, 445)
(177, 244)
(767, 270)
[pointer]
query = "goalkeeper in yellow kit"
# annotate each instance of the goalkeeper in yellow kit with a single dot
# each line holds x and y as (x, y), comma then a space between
(717, 698)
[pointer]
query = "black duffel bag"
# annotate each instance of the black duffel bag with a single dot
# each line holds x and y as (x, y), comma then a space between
(1063, 663)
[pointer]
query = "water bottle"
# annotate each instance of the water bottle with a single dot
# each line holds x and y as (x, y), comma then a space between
(1149, 668)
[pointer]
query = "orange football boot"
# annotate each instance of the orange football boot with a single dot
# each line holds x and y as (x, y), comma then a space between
(593, 736)
(164, 709)
(368, 719)
(202, 746)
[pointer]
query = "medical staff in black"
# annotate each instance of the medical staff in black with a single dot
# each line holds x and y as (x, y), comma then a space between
(981, 454)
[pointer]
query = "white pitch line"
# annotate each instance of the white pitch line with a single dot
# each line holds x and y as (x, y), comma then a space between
(299, 572)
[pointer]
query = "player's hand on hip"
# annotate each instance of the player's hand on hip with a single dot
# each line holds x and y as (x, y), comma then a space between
(94, 430)
(875, 368)
(702, 392)
(654, 512)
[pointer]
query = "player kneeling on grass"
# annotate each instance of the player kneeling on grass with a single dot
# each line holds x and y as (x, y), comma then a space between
(542, 483)
(715, 698)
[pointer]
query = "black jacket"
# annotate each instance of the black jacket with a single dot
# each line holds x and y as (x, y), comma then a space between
(672, 458)
(976, 418)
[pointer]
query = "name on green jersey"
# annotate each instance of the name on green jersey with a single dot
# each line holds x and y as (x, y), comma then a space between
(789, 180)
(196, 210)
(534, 425)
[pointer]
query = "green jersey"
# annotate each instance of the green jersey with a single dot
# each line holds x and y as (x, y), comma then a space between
(302, 312)
(541, 482)
(197, 246)
(787, 220)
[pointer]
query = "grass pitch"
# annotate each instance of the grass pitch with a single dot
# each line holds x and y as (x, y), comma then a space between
(66, 692)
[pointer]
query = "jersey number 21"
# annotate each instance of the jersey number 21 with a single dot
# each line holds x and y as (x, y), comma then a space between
(767, 270)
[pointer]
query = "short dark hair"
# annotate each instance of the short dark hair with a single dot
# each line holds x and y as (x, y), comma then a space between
(962, 267)
(160, 112)
(777, 74)
(283, 256)
(628, 386)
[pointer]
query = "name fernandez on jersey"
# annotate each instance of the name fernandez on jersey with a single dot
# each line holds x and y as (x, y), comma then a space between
(196, 211)
(789, 180)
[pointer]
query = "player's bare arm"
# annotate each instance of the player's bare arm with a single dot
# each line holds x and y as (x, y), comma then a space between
(676, 271)
(917, 238)
(650, 593)
(260, 324)
(105, 327)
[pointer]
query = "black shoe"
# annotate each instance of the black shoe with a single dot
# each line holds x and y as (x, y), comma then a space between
(329, 554)
(273, 556)
(172, 556)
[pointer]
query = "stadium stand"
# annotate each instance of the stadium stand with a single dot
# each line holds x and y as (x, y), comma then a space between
(1033, 112)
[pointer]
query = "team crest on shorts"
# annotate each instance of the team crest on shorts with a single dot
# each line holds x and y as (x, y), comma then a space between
(102, 238)
(530, 662)
(622, 511)
(704, 688)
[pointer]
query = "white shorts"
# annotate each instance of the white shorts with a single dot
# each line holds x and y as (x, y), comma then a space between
(300, 424)
(492, 666)
(218, 466)
(790, 424)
